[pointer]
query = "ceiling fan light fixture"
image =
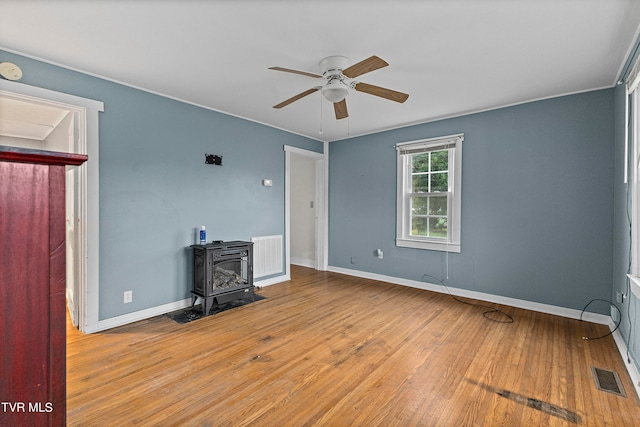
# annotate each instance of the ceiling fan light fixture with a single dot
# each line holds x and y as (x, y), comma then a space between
(335, 91)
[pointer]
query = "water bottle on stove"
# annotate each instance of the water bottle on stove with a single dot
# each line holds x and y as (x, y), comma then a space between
(203, 235)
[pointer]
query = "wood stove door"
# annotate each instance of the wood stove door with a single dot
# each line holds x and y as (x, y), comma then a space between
(229, 275)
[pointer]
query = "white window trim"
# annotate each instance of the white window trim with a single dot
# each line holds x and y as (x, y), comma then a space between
(634, 190)
(455, 186)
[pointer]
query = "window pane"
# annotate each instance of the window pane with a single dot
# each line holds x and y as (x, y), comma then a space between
(438, 205)
(419, 205)
(419, 226)
(420, 183)
(440, 160)
(440, 181)
(438, 227)
(420, 163)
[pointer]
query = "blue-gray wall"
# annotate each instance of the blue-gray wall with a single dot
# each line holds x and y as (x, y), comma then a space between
(537, 202)
(155, 188)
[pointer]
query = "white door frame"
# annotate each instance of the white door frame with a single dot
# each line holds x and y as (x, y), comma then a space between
(86, 115)
(321, 203)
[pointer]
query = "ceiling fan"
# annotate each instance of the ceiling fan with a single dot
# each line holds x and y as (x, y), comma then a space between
(338, 82)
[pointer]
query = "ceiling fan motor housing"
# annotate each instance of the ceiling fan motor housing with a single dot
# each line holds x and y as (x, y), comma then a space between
(333, 65)
(336, 89)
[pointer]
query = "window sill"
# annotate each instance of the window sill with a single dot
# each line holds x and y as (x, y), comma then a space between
(433, 246)
(634, 282)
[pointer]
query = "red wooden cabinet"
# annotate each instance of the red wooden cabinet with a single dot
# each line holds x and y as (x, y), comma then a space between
(32, 286)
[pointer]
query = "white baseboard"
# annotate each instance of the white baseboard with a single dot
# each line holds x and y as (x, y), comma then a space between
(303, 262)
(513, 302)
(272, 281)
(136, 316)
(497, 299)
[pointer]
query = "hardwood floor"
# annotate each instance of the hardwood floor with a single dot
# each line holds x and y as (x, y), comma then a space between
(326, 349)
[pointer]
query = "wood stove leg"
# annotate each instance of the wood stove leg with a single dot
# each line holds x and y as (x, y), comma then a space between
(207, 303)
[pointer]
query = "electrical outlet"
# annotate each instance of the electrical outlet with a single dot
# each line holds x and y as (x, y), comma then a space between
(128, 296)
(353, 260)
(618, 296)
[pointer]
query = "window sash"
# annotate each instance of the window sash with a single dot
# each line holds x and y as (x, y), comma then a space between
(430, 234)
(426, 178)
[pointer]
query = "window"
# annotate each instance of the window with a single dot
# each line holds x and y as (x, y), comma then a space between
(428, 199)
(632, 171)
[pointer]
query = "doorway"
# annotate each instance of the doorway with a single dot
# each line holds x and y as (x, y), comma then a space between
(38, 124)
(305, 209)
(42, 119)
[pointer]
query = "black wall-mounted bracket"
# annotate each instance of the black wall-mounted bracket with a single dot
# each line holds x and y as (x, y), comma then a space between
(213, 159)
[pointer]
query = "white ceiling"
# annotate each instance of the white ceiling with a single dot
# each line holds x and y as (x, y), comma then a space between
(452, 56)
(30, 120)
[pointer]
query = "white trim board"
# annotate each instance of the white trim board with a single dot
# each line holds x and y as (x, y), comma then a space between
(628, 363)
(634, 284)
(512, 302)
(39, 93)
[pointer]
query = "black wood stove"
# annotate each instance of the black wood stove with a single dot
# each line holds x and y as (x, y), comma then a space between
(222, 272)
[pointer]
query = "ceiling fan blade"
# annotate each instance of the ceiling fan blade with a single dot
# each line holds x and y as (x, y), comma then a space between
(295, 98)
(370, 64)
(381, 92)
(341, 109)
(289, 70)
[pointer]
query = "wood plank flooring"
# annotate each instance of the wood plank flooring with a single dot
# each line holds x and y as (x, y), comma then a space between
(326, 349)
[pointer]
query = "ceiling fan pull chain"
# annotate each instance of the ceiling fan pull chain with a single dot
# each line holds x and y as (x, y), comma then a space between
(320, 132)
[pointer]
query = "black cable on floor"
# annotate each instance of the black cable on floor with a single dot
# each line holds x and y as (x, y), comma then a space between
(617, 325)
(485, 314)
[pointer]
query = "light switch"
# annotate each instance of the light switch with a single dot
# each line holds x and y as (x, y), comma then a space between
(267, 182)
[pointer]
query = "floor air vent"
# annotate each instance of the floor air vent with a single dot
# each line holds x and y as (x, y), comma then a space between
(608, 381)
